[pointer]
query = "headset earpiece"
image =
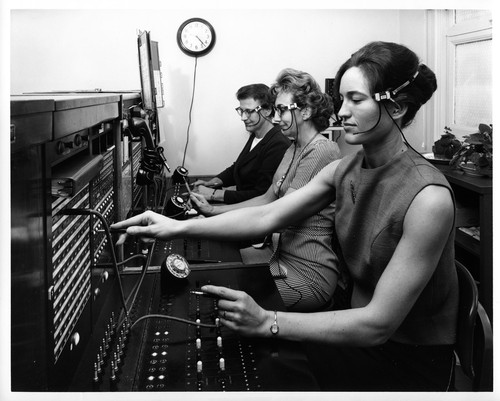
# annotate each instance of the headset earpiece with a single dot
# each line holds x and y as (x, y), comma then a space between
(391, 94)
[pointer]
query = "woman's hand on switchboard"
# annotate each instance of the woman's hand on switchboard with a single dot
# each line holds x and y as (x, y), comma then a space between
(200, 203)
(239, 312)
(148, 225)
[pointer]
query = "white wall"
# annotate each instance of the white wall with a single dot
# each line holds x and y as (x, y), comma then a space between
(88, 49)
(413, 31)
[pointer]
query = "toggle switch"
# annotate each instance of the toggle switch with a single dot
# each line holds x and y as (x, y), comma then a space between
(75, 339)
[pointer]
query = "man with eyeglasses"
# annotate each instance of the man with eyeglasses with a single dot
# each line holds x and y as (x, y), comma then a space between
(252, 172)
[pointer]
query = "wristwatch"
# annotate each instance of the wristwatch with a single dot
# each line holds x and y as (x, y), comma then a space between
(274, 327)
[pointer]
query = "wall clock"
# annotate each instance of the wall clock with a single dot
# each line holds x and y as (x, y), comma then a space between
(196, 37)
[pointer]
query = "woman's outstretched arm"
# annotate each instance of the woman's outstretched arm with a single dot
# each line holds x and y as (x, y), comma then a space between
(241, 223)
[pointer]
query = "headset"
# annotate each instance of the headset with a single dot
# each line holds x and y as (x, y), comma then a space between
(387, 95)
(256, 110)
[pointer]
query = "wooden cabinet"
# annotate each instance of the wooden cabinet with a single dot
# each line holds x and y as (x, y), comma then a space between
(474, 200)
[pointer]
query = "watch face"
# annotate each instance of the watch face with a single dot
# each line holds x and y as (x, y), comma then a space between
(196, 37)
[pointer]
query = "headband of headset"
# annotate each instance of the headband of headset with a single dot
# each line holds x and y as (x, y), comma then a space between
(390, 94)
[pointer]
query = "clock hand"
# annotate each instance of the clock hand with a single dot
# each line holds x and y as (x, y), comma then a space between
(200, 41)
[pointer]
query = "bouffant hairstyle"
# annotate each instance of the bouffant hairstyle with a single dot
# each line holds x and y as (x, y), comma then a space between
(387, 66)
(305, 92)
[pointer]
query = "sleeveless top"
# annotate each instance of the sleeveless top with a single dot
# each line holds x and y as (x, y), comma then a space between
(371, 207)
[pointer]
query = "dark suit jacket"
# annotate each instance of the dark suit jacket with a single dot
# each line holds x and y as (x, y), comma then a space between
(253, 171)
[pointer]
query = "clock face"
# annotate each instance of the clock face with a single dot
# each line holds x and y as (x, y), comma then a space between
(196, 37)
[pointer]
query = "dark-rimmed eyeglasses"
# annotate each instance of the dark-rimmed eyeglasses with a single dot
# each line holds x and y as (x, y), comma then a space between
(279, 109)
(247, 112)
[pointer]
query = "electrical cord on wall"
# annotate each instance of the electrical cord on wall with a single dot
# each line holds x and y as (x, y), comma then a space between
(190, 110)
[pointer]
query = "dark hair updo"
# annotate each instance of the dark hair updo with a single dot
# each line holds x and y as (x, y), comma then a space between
(387, 66)
(305, 92)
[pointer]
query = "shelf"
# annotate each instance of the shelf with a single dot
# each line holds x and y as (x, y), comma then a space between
(481, 185)
(467, 242)
(474, 201)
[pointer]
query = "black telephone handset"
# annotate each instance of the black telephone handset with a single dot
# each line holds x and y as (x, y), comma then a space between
(139, 128)
(152, 161)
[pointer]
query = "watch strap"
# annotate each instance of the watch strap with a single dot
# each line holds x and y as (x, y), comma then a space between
(274, 327)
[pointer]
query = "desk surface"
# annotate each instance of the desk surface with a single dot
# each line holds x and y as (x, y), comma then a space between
(482, 185)
(164, 354)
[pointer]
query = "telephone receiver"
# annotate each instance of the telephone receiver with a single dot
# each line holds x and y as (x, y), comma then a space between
(139, 128)
(152, 161)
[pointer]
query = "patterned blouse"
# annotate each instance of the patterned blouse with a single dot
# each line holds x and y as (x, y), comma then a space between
(304, 264)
